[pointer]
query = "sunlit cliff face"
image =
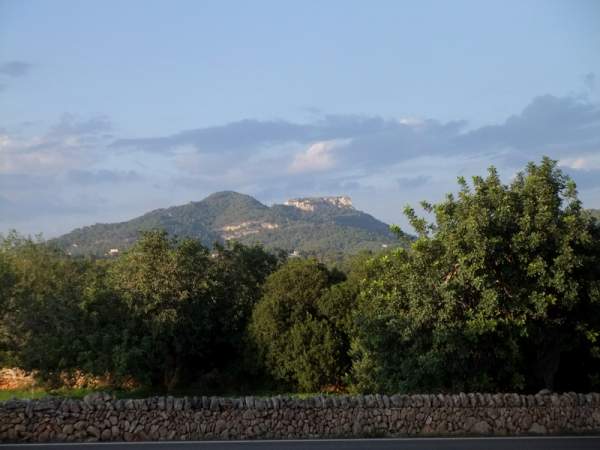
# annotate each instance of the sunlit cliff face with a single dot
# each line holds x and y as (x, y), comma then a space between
(236, 231)
(311, 203)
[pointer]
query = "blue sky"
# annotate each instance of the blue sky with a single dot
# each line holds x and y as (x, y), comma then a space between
(109, 109)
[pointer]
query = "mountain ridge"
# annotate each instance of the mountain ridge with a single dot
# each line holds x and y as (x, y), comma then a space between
(310, 225)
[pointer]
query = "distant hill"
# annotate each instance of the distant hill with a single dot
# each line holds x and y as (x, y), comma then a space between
(320, 226)
(595, 213)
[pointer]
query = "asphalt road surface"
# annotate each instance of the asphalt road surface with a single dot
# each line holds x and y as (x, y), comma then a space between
(525, 443)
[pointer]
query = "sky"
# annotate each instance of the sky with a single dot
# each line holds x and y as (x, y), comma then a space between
(109, 109)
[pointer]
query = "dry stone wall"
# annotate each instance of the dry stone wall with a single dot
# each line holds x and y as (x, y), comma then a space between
(100, 417)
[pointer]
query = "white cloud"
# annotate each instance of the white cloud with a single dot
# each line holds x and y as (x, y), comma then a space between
(36, 155)
(587, 162)
(411, 121)
(71, 143)
(317, 156)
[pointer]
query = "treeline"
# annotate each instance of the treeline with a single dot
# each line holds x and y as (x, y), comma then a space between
(500, 292)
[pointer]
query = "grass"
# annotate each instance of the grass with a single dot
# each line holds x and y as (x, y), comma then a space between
(7, 394)
(37, 392)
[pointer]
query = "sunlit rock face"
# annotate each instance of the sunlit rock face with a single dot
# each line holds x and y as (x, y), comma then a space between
(236, 231)
(313, 203)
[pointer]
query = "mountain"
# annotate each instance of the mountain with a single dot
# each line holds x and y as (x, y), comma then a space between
(320, 226)
(595, 213)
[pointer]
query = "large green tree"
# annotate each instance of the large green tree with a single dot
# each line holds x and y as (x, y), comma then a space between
(189, 306)
(168, 289)
(499, 292)
(7, 281)
(57, 315)
(294, 326)
(239, 273)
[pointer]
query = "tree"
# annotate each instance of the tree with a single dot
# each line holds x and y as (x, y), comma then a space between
(166, 285)
(54, 321)
(7, 281)
(295, 337)
(495, 294)
(189, 307)
(238, 273)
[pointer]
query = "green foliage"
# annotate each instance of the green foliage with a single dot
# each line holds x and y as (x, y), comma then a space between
(7, 281)
(495, 294)
(292, 329)
(190, 306)
(57, 319)
(165, 286)
(239, 272)
(166, 312)
(501, 292)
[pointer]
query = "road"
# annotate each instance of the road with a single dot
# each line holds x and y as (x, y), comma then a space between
(521, 443)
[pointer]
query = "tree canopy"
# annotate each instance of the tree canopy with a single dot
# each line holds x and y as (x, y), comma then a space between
(496, 293)
(293, 329)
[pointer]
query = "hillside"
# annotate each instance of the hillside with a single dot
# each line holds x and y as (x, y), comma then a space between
(318, 226)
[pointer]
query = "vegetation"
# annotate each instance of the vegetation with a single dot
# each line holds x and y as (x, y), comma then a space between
(295, 331)
(505, 281)
(165, 313)
(501, 292)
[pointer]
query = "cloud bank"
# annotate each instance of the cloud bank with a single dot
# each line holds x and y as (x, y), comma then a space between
(83, 174)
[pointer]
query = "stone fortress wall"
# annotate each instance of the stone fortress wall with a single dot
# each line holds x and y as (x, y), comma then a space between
(100, 417)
